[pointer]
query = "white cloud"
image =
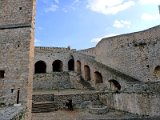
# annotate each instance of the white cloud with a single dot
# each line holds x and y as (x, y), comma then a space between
(109, 6)
(37, 42)
(121, 24)
(144, 2)
(96, 40)
(150, 17)
(52, 8)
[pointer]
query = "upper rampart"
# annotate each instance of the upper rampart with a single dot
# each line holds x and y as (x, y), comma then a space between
(135, 54)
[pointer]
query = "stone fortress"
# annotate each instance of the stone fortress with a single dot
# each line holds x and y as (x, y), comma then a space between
(121, 72)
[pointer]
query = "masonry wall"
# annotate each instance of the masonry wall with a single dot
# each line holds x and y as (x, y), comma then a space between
(89, 51)
(137, 103)
(17, 51)
(107, 73)
(135, 54)
(52, 81)
(50, 54)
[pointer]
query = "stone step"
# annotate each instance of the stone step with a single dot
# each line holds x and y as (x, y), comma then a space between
(43, 107)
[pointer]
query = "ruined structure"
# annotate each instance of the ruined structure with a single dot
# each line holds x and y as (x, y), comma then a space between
(124, 69)
(120, 72)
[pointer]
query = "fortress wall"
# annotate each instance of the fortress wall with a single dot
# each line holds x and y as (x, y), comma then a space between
(49, 55)
(89, 51)
(51, 49)
(52, 81)
(137, 103)
(136, 54)
(17, 51)
(107, 73)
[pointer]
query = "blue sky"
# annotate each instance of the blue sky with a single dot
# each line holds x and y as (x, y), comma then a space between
(82, 23)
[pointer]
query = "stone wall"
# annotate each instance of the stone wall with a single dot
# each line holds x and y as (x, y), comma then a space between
(49, 55)
(61, 99)
(17, 51)
(137, 103)
(89, 51)
(51, 81)
(106, 72)
(136, 54)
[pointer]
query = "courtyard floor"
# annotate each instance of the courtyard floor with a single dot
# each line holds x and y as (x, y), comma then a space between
(84, 115)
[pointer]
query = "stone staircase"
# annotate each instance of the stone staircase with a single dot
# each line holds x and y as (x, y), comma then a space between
(86, 84)
(41, 107)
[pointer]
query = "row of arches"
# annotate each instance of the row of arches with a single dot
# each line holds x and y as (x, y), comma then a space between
(57, 66)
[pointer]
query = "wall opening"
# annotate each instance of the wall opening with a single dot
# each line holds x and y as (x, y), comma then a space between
(87, 74)
(98, 77)
(78, 67)
(71, 65)
(57, 66)
(2, 73)
(114, 85)
(40, 67)
(157, 72)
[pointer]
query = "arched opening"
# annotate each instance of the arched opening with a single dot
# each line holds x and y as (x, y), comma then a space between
(40, 67)
(78, 67)
(98, 77)
(87, 75)
(157, 72)
(114, 85)
(71, 65)
(57, 66)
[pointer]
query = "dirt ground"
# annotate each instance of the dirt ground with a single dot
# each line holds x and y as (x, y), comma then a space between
(81, 115)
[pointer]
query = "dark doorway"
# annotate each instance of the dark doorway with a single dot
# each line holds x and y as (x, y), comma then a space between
(114, 85)
(98, 77)
(40, 67)
(87, 75)
(2, 73)
(57, 66)
(78, 67)
(71, 65)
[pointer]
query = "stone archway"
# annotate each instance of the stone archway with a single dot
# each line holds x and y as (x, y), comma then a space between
(78, 67)
(157, 72)
(87, 74)
(114, 85)
(71, 65)
(57, 66)
(40, 67)
(98, 77)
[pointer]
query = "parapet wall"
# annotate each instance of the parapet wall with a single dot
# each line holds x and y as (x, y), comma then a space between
(51, 49)
(89, 51)
(136, 54)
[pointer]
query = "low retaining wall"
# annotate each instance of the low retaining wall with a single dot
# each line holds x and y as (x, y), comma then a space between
(60, 100)
(137, 103)
(49, 81)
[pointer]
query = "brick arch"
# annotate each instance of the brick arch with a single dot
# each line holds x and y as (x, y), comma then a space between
(114, 85)
(157, 71)
(40, 67)
(57, 66)
(87, 74)
(78, 66)
(98, 77)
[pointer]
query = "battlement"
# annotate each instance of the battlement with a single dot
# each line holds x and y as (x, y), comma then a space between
(51, 49)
